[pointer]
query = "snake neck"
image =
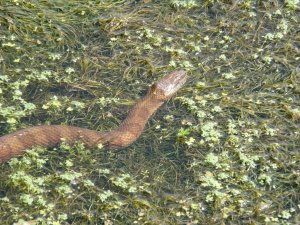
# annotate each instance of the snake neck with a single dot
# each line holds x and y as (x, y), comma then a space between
(132, 127)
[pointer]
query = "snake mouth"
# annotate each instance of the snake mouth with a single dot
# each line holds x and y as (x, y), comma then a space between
(171, 83)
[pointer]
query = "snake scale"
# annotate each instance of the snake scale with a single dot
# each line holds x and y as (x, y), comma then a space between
(49, 136)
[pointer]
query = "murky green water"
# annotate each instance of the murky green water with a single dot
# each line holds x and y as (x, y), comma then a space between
(225, 150)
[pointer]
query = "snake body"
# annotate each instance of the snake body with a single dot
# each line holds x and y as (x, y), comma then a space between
(49, 136)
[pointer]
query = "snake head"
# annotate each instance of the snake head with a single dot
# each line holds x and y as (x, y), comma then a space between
(167, 86)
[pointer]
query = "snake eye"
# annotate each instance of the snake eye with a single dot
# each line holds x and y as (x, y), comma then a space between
(153, 88)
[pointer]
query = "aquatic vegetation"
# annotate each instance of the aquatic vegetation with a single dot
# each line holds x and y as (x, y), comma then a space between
(224, 151)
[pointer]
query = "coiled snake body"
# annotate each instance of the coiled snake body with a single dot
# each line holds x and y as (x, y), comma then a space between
(49, 136)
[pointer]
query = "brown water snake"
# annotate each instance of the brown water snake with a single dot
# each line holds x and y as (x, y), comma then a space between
(49, 136)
